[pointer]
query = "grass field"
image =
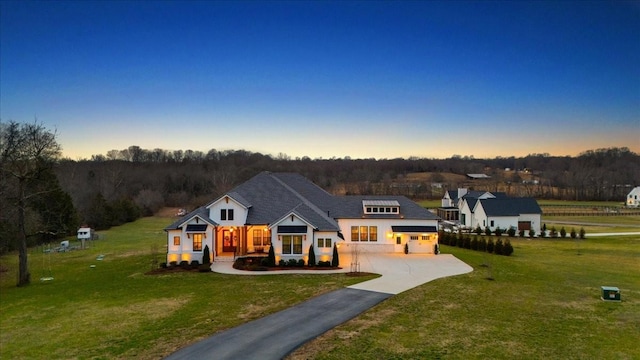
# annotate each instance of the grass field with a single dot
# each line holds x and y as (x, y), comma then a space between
(116, 311)
(544, 303)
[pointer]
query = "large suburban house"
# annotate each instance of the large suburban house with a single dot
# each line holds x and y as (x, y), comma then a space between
(472, 209)
(633, 198)
(290, 213)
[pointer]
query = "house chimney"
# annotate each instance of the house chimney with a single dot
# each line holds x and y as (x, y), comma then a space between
(461, 192)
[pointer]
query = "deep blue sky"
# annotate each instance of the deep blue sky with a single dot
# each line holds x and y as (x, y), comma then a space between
(323, 79)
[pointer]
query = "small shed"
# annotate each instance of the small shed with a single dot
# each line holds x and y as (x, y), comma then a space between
(85, 233)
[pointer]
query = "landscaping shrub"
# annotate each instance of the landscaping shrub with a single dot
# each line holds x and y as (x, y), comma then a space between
(497, 248)
(460, 242)
(521, 233)
(563, 232)
(163, 265)
(335, 259)
(582, 233)
(292, 262)
(265, 262)
(482, 244)
(498, 231)
(532, 233)
(474, 243)
(173, 264)
(271, 258)
(478, 230)
(553, 233)
(206, 255)
(406, 248)
(324, 263)
(511, 232)
(204, 267)
(573, 233)
(467, 242)
(282, 263)
(194, 264)
(300, 263)
(184, 264)
(490, 245)
(487, 231)
(507, 250)
(312, 256)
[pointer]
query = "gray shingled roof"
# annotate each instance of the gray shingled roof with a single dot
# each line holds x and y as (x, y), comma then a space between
(272, 196)
(510, 206)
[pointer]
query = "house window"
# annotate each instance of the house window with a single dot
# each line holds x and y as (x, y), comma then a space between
(292, 244)
(414, 237)
(492, 224)
(226, 214)
(425, 237)
(261, 238)
(364, 233)
(176, 240)
(373, 233)
(324, 242)
(197, 242)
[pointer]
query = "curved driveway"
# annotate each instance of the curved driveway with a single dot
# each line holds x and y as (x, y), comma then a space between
(276, 335)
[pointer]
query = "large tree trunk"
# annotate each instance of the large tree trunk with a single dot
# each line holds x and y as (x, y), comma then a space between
(24, 277)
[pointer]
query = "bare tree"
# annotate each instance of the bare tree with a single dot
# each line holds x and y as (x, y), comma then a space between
(27, 151)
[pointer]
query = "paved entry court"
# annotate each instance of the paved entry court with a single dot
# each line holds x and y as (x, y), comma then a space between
(276, 335)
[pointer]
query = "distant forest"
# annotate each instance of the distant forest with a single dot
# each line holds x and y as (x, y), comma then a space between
(123, 185)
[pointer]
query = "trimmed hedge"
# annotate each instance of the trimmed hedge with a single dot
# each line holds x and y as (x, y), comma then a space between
(499, 247)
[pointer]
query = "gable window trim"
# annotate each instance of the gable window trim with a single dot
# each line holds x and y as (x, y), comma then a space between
(226, 214)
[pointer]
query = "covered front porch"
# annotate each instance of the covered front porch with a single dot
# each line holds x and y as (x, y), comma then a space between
(234, 241)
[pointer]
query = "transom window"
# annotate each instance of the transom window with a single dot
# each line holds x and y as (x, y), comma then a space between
(364, 233)
(291, 244)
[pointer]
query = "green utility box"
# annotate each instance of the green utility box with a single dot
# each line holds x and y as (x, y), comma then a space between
(610, 293)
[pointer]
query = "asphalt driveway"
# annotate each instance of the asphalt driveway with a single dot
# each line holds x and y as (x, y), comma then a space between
(276, 335)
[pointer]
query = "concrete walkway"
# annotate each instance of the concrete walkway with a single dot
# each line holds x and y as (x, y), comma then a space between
(276, 335)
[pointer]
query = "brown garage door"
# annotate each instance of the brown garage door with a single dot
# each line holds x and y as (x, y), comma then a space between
(524, 225)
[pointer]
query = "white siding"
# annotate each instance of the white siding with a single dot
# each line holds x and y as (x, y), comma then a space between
(227, 203)
(386, 238)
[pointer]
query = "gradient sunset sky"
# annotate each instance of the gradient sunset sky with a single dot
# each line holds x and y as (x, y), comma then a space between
(372, 79)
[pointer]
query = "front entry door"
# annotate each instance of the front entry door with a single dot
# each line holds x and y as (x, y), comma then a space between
(229, 242)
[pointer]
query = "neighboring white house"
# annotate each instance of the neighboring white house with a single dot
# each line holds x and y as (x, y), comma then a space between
(505, 213)
(633, 199)
(490, 209)
(290, 213)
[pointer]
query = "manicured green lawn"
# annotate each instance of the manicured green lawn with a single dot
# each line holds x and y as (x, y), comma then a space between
(544, 303)
(116, 311)
(581, 203)
(615, 224)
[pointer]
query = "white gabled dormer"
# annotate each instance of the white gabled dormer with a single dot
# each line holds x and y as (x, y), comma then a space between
(380, 207)
(228, 211)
